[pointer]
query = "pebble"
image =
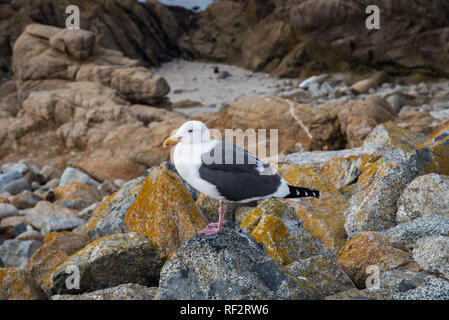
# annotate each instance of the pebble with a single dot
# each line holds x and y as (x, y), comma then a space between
(8, 177)
(49, 172)
(12, 166)
(16, 187)
(71, 174)
(395, 102)
(8, 210)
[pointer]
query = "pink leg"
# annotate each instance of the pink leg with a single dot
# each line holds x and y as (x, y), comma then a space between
(214, 228)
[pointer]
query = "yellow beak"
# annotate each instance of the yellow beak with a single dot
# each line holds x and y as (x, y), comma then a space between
(171, 141)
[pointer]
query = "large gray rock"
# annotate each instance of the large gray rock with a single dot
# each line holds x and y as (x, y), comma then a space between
(432, 254)
(14, 166)
(230, 265)
(49, 172)
(17, 186)
(432, 289)
(15, 253)
(405, 284)
(424, 195)
(373, 206)
(71, 175)
(320, 276)
(48, 217)
(128, 291)
(108, 262)
(7, 210)
(8, 177)
(110, 220)
(410, 232)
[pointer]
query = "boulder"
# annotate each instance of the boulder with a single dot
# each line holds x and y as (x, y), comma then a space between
(425, 195)
(128, 291)
(373, 207)
(432, 289)
(432, 254)
(164, 211)
(57, 248)
(16, 187)
(25, 200)
(433, 155)
(15, 284)
(139, 85)
(14, 166)
(6, 178)
(76, 195)
(100, 265)
(229, 265)
(73, 175)
(8, 210)
(430, 225)
(109, 216)
(48, 217)
(320, 276)
(275, 224)
(363, 86)
(15, 253)
(369, 249)
(391, 135)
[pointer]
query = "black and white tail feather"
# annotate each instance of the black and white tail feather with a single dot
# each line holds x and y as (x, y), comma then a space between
(298, 192)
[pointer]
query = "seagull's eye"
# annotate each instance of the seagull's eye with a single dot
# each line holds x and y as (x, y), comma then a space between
(191, 130)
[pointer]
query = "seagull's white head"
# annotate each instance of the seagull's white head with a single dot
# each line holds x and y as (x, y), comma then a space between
(191, 132)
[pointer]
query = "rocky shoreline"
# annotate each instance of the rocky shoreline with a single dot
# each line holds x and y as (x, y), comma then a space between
(86, 185)
(383, 204)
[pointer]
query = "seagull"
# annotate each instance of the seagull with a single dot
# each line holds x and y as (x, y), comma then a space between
(226, 172)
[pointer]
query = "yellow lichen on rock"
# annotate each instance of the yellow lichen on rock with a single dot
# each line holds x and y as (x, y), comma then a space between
(434, 153)
(209, 206)
(100, 212)
(57, 248)
(164, 211)
(275, 224)
(16, 284)
(391, 135)
(369, 249)
(77, 191)
(322, 217)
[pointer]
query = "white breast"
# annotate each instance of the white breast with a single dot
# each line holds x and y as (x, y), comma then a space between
(187, 160)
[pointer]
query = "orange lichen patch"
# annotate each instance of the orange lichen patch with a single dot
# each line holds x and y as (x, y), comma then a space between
(241, 213)
(57, 248)
(434, 153)
(210, 207)
(100, 212)
(274, 223)
(394, 136)
(440, 137)
(15, 284)
(322, 217)
(164, 211)
(4, 200)
(335, 171)
(77, 191)
(367, 249)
